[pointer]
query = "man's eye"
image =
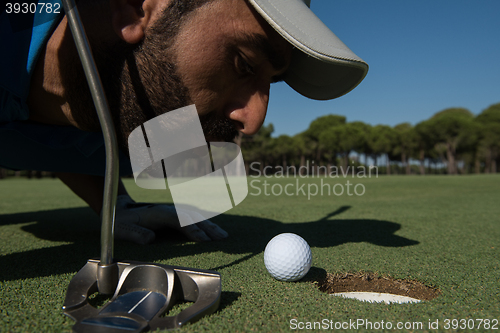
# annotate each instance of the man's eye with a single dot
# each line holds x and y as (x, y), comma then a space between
(243, 67)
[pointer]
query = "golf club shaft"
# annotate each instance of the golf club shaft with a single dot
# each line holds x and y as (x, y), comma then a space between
(106, 276)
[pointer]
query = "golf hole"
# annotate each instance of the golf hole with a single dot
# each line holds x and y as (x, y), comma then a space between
(370, 287)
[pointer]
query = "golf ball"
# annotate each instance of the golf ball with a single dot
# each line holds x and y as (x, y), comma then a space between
(287, 257)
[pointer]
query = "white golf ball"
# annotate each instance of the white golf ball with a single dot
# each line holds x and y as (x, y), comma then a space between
(287, 257)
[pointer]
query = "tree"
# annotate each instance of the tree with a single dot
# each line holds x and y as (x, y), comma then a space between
(469, 148)
(318, 126)
(382, 139)
(304, 147)
(256, 147)
(449, 128)
(489, 137)
(323, 123)
(350, 137)
(424, 144)
(284, 147)
(329, 139)
(406, 143)
(363, 146)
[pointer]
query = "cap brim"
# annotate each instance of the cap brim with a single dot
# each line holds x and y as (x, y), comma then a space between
(322, 66)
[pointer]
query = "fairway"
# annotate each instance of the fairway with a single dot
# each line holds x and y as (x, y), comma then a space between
(442, 231)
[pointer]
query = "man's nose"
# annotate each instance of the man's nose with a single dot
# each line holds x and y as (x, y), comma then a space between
(250, 113)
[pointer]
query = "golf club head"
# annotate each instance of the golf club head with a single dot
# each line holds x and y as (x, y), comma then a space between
(145, 292)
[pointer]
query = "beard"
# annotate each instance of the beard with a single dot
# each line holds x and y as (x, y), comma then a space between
(141, 81)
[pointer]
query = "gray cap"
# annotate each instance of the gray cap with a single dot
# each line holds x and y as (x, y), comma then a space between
(322, 66)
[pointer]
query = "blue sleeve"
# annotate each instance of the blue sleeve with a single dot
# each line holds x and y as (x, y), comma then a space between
(23, 37)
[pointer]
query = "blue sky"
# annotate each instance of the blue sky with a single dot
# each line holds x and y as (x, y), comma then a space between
(424, 56)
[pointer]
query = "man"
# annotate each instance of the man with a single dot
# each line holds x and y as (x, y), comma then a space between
(155, 56)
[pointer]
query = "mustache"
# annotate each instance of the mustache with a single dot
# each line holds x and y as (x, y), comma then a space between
(218, 128)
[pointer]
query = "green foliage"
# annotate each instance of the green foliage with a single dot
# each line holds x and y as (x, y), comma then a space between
(452, 136)
(405, 139)
(448, 126)
(382, 139)
(490, 115)
(488, 122)
(284, 146)
(256, 147)
(488, 137)
(343, 138)
(330, 139)
(301, 144)
(452, 131)
(366, 129)
(321, 124)
(423, 137)
(305, 146)
(353, 137)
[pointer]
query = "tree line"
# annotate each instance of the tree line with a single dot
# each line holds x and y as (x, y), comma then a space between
(452, 141)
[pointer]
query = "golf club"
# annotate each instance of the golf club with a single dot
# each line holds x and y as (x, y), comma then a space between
(142, 292)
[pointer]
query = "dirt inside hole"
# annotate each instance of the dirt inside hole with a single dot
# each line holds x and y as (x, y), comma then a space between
(370, 282)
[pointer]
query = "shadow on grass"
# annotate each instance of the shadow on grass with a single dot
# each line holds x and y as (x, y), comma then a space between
(78, 229)
(227, 299)
(314, 274)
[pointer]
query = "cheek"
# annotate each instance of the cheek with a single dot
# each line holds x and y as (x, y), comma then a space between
(254, 92)
(205, 73)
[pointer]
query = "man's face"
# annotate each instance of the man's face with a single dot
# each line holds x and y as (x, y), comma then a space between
(222, 57)
(227, 56)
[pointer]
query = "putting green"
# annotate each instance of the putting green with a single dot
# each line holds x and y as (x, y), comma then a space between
(441, 231)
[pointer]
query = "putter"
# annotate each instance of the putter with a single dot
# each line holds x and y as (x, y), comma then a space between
(143, 293)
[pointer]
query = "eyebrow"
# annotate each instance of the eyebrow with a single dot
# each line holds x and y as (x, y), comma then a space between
(262, 44)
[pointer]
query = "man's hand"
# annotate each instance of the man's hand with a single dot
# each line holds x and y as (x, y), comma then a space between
(135, 222)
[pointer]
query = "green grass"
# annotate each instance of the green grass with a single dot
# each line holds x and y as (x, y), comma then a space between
(439, 230)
